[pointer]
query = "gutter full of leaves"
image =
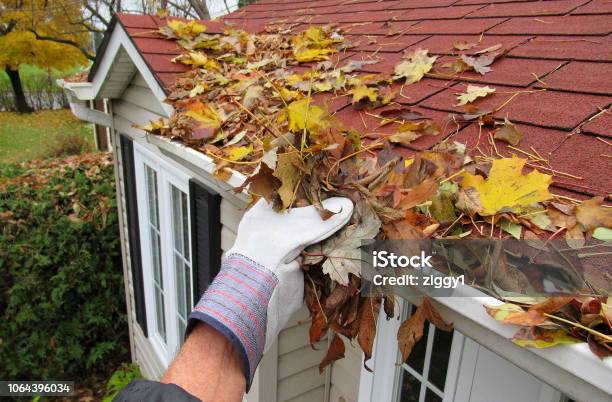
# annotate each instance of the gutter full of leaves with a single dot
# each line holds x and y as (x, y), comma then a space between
(251, 102)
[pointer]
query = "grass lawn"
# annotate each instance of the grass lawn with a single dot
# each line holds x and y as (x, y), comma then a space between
(28, 136)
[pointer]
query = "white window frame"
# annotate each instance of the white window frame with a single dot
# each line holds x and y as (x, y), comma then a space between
(167, 174)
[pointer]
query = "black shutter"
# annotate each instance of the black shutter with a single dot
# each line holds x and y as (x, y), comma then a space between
(129, 179)
(205, 205)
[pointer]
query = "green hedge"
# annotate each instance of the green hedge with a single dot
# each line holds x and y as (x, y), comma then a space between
(62, 302)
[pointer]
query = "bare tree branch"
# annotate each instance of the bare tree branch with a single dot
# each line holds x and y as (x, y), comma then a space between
(82, 49)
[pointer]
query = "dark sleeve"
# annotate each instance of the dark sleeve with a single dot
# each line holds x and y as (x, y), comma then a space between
(153, 391)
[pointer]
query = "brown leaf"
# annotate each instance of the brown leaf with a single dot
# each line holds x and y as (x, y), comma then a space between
(411, 331)
(402, 229)
(508, 133)
(389, 306)
(337, 297)
(318, 327)
(403, 138)
(592, 215)
(597, 348)
(335, 352)
(402, 113)
(417, 195)
(367, 327)
(552, 304)
(434, 317)
(263, 183)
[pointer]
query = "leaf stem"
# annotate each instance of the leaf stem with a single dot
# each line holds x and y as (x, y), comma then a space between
(578, 325)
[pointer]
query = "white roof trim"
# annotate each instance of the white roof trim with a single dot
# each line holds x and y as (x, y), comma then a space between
(118, 41)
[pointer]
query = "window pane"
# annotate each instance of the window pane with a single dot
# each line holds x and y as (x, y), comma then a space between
(431, 396)
(180, 286)
(177, 220)
(160, 313)
(410, 388)
(156, 257)
(440, 355)
(151, 183)
(185, 225)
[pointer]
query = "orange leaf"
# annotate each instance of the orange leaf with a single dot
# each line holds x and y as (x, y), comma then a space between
(335, 352)
(411, 331)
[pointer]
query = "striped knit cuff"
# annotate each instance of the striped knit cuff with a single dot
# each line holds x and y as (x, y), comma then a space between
(236, 304)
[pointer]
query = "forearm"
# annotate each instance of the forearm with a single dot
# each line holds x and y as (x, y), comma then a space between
(208, 367)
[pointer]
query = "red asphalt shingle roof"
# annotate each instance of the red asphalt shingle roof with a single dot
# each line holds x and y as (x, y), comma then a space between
(563, 46)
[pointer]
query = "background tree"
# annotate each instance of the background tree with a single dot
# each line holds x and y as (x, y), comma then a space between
(33, 32)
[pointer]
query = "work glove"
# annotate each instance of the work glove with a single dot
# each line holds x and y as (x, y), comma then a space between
(260, 284)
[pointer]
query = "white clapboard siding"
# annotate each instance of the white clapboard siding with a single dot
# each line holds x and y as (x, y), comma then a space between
(146, 358)
(345, 374)
(296, 372)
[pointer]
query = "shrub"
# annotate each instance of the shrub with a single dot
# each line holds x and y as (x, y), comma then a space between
(62, 301)
(66, 145)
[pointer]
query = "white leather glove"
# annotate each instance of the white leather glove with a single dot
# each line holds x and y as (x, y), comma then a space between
(260, 284)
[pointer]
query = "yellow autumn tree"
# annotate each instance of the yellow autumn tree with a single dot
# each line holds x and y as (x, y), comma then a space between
(40, 33)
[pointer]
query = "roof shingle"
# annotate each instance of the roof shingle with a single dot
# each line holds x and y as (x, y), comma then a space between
(558, 61)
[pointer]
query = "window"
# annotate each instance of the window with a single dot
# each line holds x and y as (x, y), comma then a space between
(163, 207)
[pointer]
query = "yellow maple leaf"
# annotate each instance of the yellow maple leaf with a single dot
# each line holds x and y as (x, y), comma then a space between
(472, 93)
(186, 29)
(302, 113)
(197, 59)
(205, 114)
(415, 68)
(507, 189)
(314, 44)
(362, 92)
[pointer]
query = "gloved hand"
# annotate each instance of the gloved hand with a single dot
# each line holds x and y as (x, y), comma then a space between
(260, 284)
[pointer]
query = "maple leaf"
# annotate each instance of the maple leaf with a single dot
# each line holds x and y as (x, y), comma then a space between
(197, 59)
(415, 68)
(507, 189)
(303, 114)
(363, 92)
(207, 117)
(479, 64)
(343, 248)
(238, 153)
(180, 29)
(472, 93)
(508, 133)
(314, 44)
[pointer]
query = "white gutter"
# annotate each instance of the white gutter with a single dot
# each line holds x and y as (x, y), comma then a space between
(79, 94)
